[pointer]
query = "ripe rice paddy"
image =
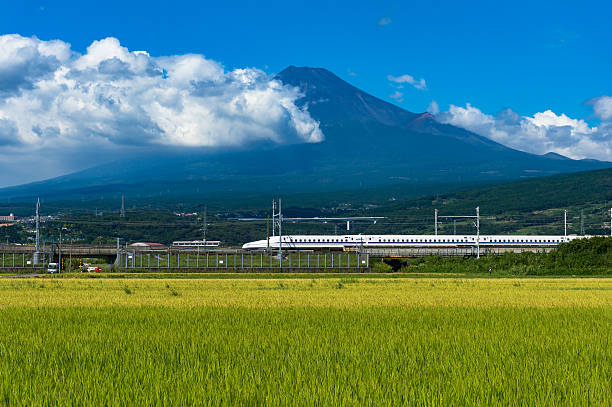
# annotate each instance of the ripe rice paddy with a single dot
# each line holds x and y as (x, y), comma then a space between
(333, 341)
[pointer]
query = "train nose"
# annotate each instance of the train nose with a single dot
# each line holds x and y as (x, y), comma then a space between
(259, 244)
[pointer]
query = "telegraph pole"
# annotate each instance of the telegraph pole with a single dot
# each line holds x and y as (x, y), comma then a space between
(436, 222)
(565, 223)
(36, 258)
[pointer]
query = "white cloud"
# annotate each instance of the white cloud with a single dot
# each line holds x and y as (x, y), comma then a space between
(384, 21)
(55, 100)
(397, 95)
(433, 108)
(417, 83)
(602, 106)
(541, 133)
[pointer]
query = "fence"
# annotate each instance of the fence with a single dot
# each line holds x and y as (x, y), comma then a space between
(246, 261)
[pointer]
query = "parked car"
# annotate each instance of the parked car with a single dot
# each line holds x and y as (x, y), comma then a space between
(94, 269)
(52, 268)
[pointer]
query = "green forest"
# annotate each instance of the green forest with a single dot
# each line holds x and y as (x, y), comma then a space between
(534, 206)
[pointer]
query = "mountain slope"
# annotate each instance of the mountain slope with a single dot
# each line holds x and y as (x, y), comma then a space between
(529, 206)
(368, 142)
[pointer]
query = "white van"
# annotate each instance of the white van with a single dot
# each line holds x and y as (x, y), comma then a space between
(52, 268)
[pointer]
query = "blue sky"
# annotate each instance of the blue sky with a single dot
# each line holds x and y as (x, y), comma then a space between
(535, 76)
(529, 56)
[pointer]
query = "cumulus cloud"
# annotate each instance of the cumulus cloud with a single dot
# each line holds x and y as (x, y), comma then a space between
(602, 106)
(53, 98)
(417, 83)
(541, 133)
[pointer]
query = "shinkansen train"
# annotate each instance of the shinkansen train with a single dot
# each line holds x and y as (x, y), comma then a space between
(348, 242)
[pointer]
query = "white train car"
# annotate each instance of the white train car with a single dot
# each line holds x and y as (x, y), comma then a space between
(346, 242)
(196, 243)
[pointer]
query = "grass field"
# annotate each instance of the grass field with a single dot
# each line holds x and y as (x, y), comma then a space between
(307, 341)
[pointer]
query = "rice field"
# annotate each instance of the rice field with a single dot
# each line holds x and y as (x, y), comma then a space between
(332, 341)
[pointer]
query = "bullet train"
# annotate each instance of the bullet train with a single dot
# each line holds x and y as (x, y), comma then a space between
(346, 242)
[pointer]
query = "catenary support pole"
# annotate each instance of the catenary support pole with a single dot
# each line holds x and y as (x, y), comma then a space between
(280, 232)
(436, 222)
(478, 232)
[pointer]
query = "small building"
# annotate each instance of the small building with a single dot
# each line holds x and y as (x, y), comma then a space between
(9, 218)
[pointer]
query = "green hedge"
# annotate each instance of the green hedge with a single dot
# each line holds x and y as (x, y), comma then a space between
(580, 257)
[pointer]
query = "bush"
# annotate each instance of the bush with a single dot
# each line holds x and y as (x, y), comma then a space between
(578, 257)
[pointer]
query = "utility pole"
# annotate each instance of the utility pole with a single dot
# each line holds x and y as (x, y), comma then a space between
(118, 254)
(273, 217)
(478, 232)
(581, 222)
(122, 206)
(436, 222)
(36, 258)
(565, 223)
(268, 231)
(280, 232)
(610, 221)
(476, 224)
(204, 227)
(60, 250)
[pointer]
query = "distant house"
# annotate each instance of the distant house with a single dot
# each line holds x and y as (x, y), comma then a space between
(147, 244)
(9, 218)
